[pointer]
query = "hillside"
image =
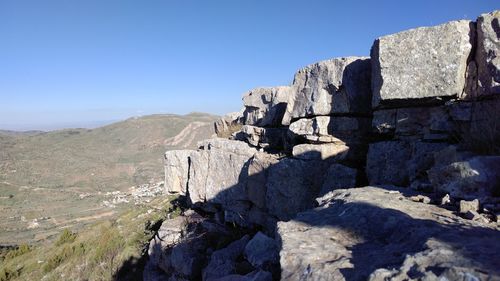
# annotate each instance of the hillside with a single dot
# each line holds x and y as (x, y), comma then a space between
(72, 170)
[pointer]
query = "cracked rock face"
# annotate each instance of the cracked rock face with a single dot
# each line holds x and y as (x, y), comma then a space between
(426, 62)
(264, 107)
(371, 233)
(336, 86)
(488, 52)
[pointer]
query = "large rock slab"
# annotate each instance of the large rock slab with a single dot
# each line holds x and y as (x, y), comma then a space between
(177, 170)
(339, 177)
(488, 53)
(324, 129)
(292, 186)
(223, 262)
(421, 63)
(400, 162)
(265, 107)
(475, 177)
(340, 85)
(333, 151)
(371, 233)
(270, 139)
(218, 171)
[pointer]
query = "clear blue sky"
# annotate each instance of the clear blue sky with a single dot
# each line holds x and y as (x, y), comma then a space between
(64, 62)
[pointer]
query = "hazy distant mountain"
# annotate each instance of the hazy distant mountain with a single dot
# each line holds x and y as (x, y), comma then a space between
(44, 173)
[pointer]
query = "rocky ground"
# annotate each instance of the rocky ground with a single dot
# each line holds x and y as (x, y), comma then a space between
(381, 168)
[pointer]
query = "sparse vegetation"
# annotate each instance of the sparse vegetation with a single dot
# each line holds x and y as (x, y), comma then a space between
(96, 253)
(42, 174)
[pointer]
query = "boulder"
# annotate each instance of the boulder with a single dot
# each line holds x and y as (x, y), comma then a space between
(421, 64)
(228, 124)
(324, 129)
(466, 206)
(223, 262)
(432, 123)
(270, 139)
(471, 178)
(169, 234)
(337, 177)
(264, 107)
(262, 250)
(177, 170)
(292, 186)
(336, 86)
(488, 53)
(218, 171)
(258, 174)
(400, 162)
(371, 233)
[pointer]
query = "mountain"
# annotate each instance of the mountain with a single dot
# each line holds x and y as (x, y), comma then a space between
(73, 169)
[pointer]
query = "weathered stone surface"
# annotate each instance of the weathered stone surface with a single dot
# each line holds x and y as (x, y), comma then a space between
(266, 138)
(324, 129)
(223, 261)
(332, 151)
(262, 250)
(488, 53)
(400, 162)
(370, 234)
(466, 206)
(218, 172)
(472, 178)
(339, 176)
(228, 124)
(264, 107)
(340, 85)
(421, 63)
(292, 186)
(231, 146)
(258, 173)
(436, 123)
(169, 233)
(177, 170)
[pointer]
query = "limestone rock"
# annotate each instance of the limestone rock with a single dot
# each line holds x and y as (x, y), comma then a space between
(426, 62)
(265, 107)
(472, 178)
(218, 171)
(169, 233)
(400, 162)
(320, 151)
(370, 234)
(177, 170)
(292, 186)
(466, 206)
(339, 176)
(228, 124)
(323, 129)
(262, 250)
(267, 138)
(257, 275)
(222, 262)
(488, 52)
(258, 173)
(340, 85)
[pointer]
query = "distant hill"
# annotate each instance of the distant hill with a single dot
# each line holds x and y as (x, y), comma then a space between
(43, 172)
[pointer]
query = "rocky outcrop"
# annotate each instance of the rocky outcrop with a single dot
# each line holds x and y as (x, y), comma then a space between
(418, 120)
(265, 107)
(375, 234)
(336, 86)
(488, 53)
(422, 63)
